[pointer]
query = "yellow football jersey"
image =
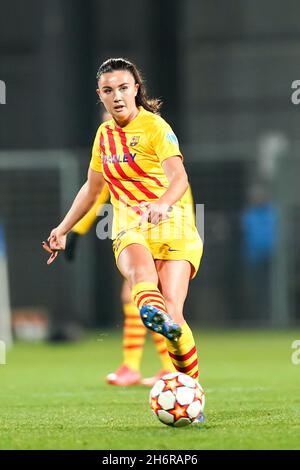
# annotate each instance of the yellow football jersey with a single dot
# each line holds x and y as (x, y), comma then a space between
(130, 159)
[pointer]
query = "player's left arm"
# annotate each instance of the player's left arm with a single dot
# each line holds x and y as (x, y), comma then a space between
(178, 184)
(166, 148)
(178, 180)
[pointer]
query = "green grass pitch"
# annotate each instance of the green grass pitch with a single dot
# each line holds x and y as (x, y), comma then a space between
(55, 397)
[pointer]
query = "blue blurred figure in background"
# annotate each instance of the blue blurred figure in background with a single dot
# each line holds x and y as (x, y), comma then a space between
(259, 237)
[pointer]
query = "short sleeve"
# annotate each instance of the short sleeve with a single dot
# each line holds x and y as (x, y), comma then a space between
(96, 161)
(164, 140)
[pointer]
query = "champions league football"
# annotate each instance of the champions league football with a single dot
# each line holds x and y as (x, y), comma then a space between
(177, 400)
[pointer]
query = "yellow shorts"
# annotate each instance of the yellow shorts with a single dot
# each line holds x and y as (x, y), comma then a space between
(190, 249)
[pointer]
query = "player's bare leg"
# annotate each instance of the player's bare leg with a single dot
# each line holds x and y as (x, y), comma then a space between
(136, 264)
(133, 348)
(174, 277)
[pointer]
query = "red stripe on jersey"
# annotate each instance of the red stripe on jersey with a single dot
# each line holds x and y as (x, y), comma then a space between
(111, 188)
(184, 357)
(102, 146)
(132, 163)
(136, 209)
(111, 141)
(120, 170)
(114, 181)
(144, 190)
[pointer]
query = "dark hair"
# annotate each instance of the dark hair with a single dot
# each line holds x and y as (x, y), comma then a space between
(141, 98)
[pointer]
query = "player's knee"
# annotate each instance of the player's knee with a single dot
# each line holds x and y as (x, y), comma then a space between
(142, 274)
(125, 293)
(125, 298)
(174, 310)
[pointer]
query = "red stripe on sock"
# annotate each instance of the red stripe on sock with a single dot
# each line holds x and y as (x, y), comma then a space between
(155, 304)
(156, 339)
(159, 342)
(130, 336)
(134, 346)
(133, 325)
(147, 290)
(147, 295)
(163, 351)
(184, 357)
(187, 368)
(159, 306)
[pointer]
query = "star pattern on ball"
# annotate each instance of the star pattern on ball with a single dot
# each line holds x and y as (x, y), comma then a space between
(172, 385)
(179, 411)
(154, 404)
(199, 394)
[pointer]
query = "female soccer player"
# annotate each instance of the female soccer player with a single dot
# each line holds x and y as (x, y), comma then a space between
(134, 331)
(156, 244)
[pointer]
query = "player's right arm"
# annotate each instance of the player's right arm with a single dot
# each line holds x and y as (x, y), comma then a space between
(84, 225)
(83, 202)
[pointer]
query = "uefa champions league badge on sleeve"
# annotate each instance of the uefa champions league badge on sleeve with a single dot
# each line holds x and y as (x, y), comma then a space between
(171, 137)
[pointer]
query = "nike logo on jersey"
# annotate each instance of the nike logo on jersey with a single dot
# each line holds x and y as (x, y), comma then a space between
(172, 249)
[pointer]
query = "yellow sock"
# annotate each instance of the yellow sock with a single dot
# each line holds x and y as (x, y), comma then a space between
(133, 336)
(147, 293)
(162, 350)
(183, 352)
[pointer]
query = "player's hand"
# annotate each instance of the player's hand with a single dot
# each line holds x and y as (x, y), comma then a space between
(154, 212)
(71, 245)
(54, 244)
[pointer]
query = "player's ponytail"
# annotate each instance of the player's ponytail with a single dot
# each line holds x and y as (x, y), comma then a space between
(153, 105)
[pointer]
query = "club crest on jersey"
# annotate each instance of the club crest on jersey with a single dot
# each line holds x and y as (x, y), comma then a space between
(134, 140)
